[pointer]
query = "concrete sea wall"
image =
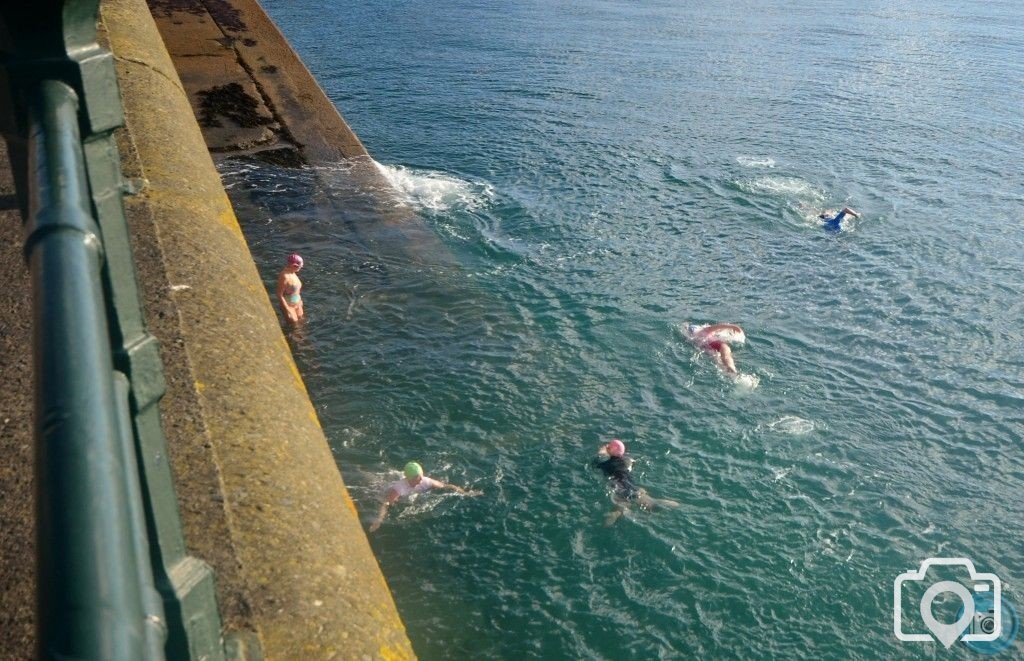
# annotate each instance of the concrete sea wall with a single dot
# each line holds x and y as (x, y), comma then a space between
(254, 97)
(261, 497)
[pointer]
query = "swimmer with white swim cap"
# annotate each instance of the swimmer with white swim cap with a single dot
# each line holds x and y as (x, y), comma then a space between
(414, 482)
(715, 339)
(617, 466)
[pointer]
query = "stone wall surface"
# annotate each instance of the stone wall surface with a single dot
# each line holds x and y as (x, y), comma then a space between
(265, 505)
(260, 495)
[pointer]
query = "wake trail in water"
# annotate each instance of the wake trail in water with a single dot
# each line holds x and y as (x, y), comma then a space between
(756, 161)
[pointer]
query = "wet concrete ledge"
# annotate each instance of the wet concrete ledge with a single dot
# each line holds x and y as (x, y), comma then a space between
(260, 494)
(254, 97)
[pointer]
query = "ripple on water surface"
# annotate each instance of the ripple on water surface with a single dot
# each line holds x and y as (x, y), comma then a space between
(601, 187)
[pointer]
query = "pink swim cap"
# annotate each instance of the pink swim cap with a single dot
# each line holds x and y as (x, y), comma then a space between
(616, 448)
(295, 260)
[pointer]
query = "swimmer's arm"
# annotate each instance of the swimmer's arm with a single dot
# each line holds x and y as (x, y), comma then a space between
(444, 486)
(391, 498)
(280, 288)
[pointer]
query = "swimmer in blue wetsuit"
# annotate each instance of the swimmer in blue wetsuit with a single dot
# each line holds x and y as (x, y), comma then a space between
(617, 467)
(833, 224)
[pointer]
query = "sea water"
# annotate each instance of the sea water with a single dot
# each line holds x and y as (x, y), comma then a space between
(601, 172)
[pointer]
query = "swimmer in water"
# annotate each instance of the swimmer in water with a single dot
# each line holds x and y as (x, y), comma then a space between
(714, 339)
(414, 482)
(833, 223)
(617, 466)
(289, 290)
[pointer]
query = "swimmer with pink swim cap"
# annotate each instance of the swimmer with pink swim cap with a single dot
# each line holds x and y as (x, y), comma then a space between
(413, 483)
(617, 467)
(289, 289)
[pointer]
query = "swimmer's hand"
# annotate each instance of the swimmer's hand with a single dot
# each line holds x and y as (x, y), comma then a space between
(472, 492)
(375, 525)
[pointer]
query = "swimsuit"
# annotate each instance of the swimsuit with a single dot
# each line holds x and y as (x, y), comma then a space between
(833, 224)
(291, 295)
(712, 345)
(616, 469)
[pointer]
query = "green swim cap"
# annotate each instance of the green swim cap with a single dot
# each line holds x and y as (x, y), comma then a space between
(412, 469)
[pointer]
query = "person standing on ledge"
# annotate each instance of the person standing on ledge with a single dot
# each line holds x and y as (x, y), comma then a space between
(833, 224)
(414, 482)
(289, 290)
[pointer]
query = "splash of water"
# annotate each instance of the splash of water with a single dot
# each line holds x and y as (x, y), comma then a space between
(791, 424)
(789, 187)
(426, 190)
(746, 382)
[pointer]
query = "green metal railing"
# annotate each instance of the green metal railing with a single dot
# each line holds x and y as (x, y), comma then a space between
(114, 578)
(94, 574)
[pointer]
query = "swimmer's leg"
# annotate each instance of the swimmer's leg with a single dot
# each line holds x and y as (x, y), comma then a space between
(620, 508)
(652, 504)
(611, 517)
(725, 359)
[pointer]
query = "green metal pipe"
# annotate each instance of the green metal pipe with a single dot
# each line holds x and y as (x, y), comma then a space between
(90, 598)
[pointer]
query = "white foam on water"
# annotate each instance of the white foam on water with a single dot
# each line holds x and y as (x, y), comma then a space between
(793, 425)
(419, 505)
(789, 187)
(756, 161)
(435, 191)
(746, 382)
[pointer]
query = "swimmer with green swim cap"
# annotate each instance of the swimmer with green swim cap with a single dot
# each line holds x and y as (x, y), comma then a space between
(414, 482)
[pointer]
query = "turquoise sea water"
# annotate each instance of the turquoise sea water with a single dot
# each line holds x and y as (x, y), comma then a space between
(599, 172)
